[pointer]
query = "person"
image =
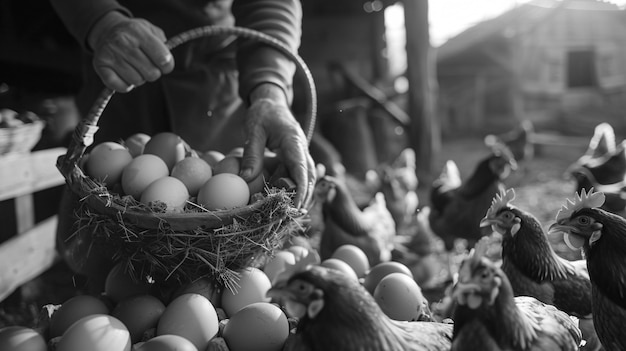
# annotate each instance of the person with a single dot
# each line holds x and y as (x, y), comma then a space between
(215, 92)
(193, 91)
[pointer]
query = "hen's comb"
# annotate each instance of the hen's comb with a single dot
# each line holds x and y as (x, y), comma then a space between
(500, 201)
(585, 199)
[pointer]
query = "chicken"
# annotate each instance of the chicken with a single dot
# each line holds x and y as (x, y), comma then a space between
(399, 185)
(342, 222)
(603, 167)
(457, 207)
(518, 140)
(602, 237)
(337, 313)
(533, 267)
(488, 317)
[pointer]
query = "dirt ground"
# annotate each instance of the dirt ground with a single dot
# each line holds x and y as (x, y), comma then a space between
(539, 184)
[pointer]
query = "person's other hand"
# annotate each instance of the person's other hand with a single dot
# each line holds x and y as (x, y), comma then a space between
(128, 51)
(271, 124)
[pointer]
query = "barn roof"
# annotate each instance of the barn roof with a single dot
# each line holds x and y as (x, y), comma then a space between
(519, 19)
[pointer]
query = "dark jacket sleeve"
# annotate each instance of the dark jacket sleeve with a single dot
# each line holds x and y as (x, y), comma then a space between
(79, 16)
(258, 63)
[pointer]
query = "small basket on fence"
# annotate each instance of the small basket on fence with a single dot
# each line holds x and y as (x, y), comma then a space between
(195, 243)
(21, 138)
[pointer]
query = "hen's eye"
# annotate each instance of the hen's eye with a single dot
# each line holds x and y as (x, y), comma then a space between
(484, 274)
(507, 215)
(584, 220)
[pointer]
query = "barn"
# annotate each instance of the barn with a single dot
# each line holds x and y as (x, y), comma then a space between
(561, 64)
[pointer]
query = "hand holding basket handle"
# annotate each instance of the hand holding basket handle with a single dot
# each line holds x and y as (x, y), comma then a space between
(270, 123)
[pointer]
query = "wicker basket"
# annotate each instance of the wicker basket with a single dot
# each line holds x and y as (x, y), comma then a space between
(21, 138)
(188, 245)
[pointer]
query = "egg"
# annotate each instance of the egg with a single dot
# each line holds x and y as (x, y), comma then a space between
(107, 161)
(136, 143)
(139, 313)
(18, 338)
(259, 326)
(141, 172)
(229, 164)
(224, 191)
(168, 146)
(167, 343)
(168, 191)
(252, 287)
(193, 172)
(399, 296)
(280, 262)
(98, 332)
(341, 266)
(212, 157)
(355, 257)
(379, 271)
(191, 316)
(120, 285)
(74, 309)
(203, 286)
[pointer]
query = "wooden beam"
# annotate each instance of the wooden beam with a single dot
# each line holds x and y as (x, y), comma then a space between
(22, 174)
(425, 132)
(26, 256)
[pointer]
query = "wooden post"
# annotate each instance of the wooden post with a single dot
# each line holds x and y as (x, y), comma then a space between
(424, 133)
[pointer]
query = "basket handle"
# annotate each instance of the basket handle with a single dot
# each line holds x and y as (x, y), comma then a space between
(84, 133)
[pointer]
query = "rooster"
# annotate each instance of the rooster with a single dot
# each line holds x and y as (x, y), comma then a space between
(488, 317)
(337, 313)
(602, 237)
(603, 167)
(533, 267)
(457, 207)
(341, 221)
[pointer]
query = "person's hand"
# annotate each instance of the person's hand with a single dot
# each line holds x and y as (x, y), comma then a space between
(271, 124)
(128, 51)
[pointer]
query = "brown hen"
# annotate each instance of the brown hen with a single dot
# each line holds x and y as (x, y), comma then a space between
(342, 222)
(602, 237)
(488, 317)
(458, 207)
(603, 167)
(337, 313)
(533, 267)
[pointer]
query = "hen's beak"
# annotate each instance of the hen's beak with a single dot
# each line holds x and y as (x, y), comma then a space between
(572, 237)
(487, 221)
(280, 291)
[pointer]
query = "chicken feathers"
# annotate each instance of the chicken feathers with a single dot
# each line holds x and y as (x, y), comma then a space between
(530, 262)
(602, 237)
(343, 222)
(399, 185)
(603, 167)
(456, 210)
(488, 317)
(337, 313)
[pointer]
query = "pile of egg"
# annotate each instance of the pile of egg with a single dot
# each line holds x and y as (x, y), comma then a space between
(161, 170)
(131, 315)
